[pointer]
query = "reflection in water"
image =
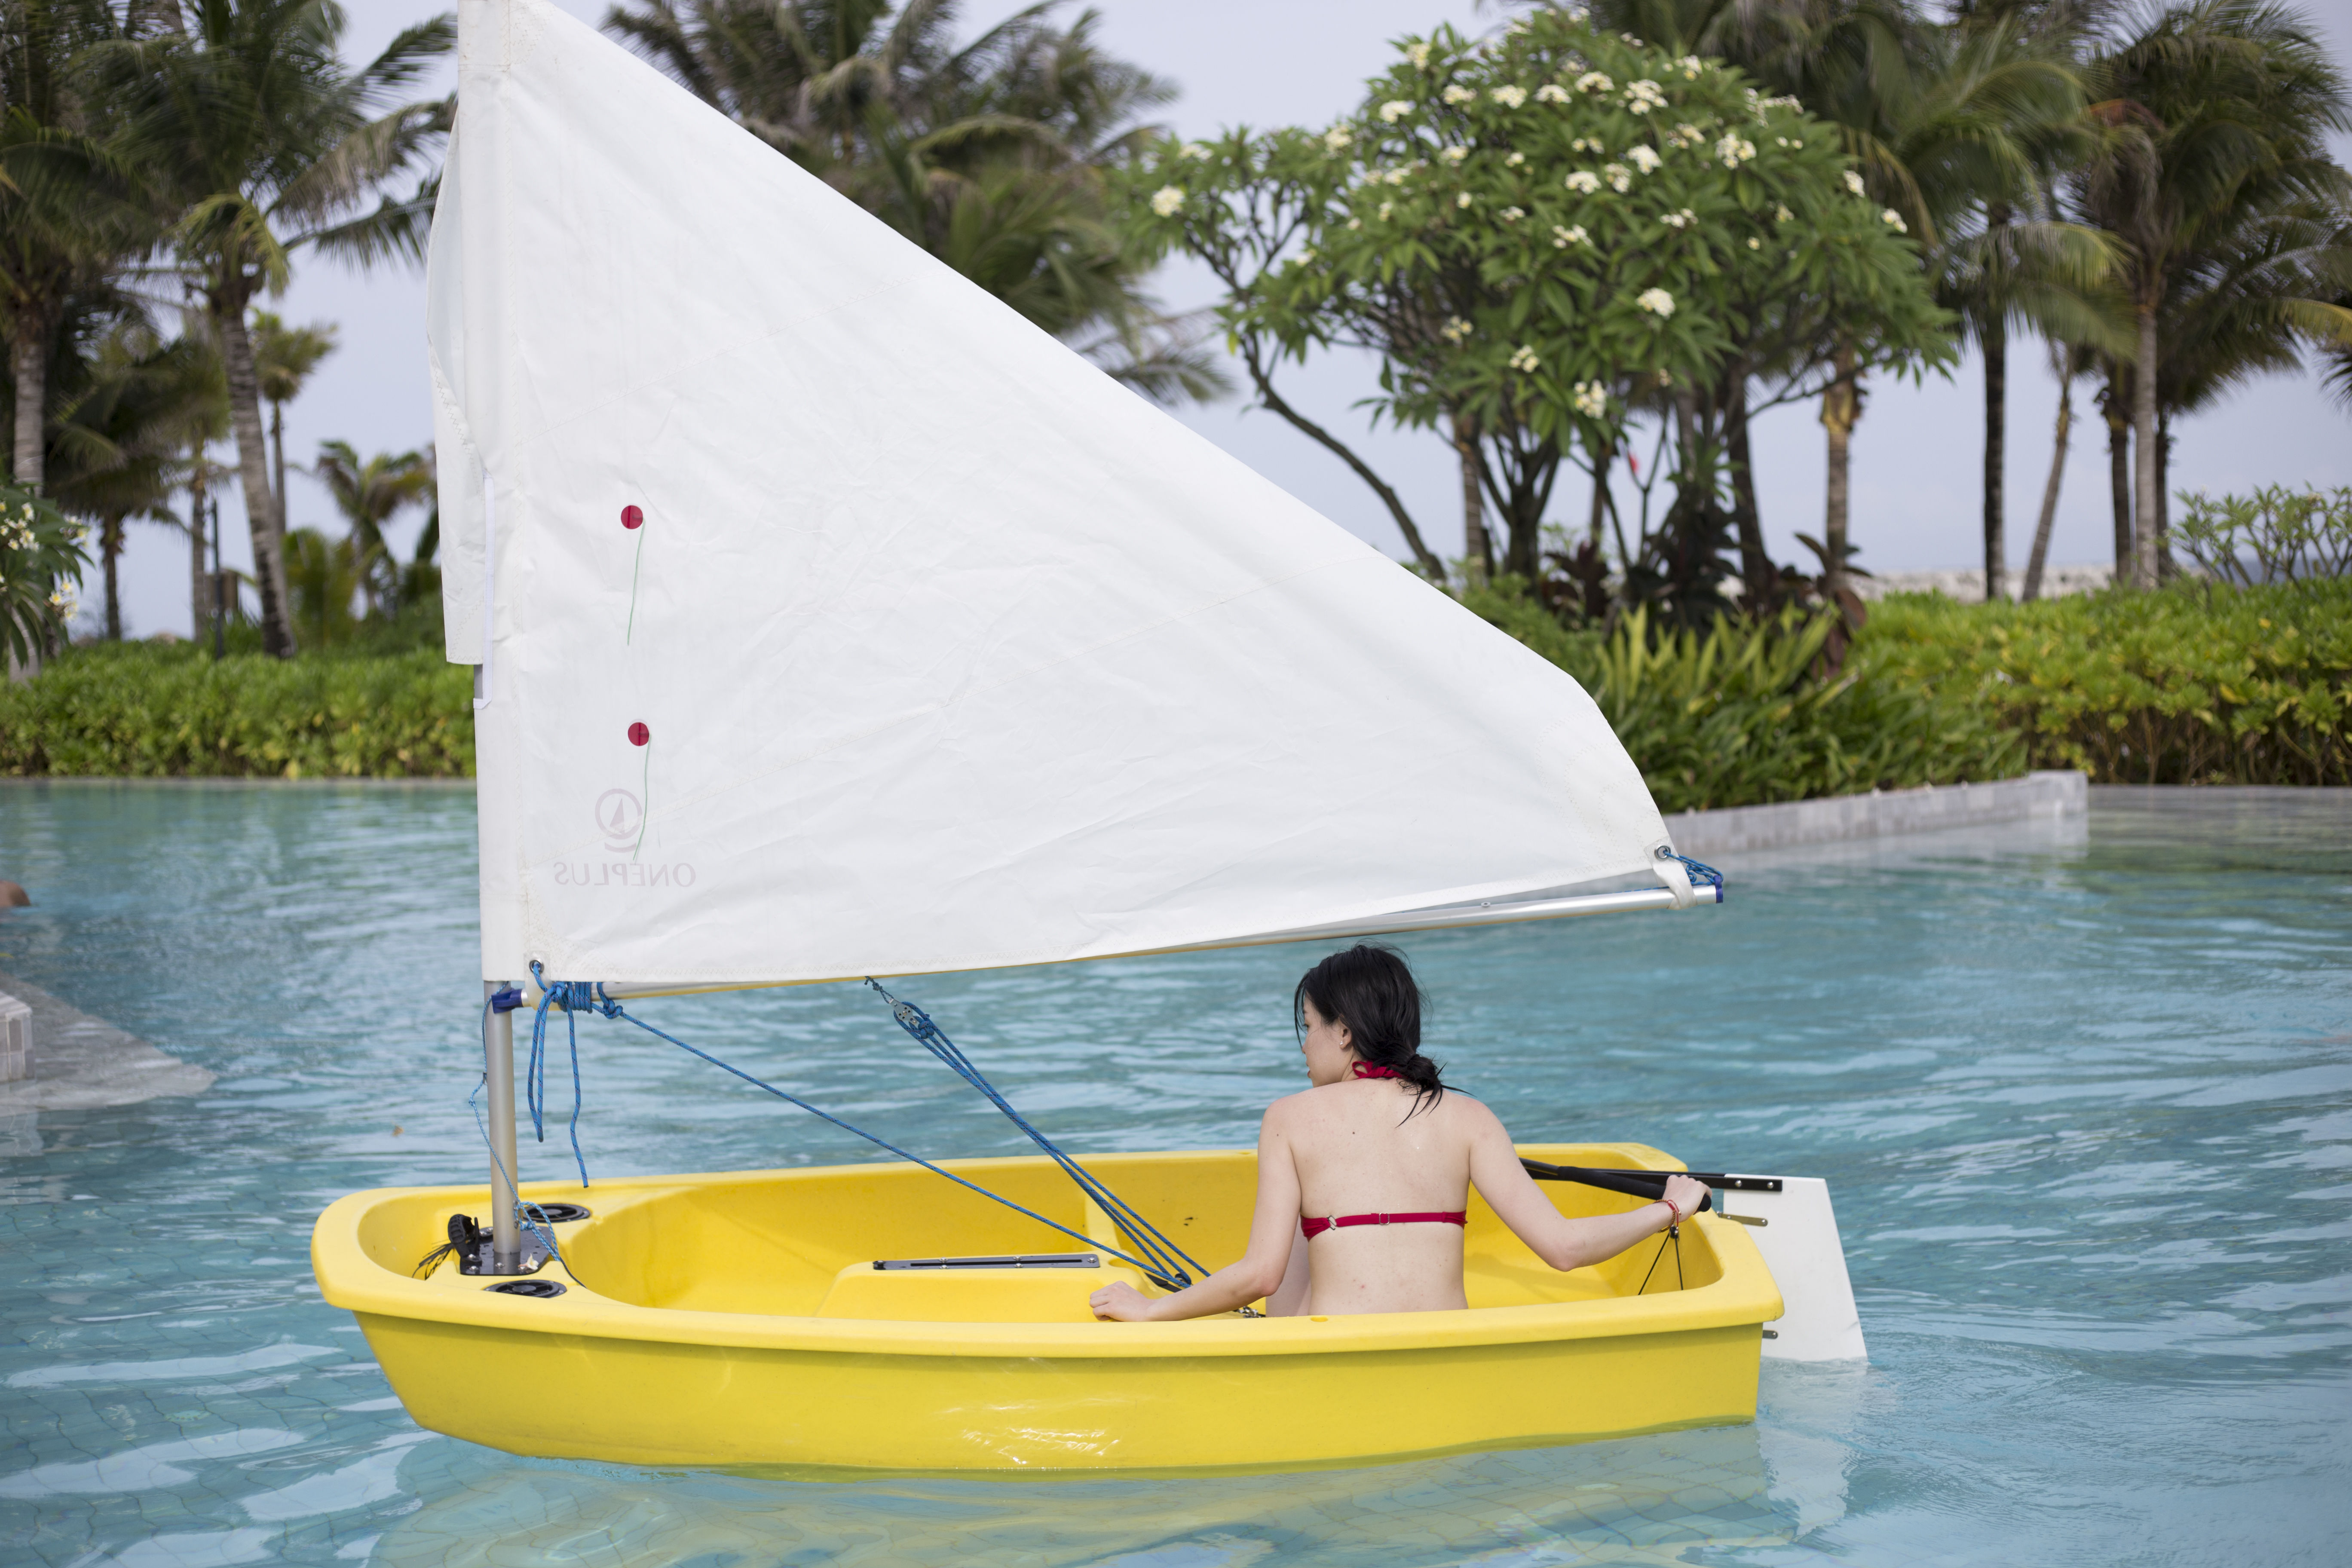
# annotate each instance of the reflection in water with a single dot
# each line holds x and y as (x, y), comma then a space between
(1642, 1499)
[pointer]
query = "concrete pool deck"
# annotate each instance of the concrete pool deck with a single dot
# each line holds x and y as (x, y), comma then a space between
(81, 1063)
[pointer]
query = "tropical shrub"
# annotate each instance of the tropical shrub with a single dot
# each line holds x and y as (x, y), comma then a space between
(41, 563)
(1744, 713)
(2192, 684)
(140, 710)
(2289, 535)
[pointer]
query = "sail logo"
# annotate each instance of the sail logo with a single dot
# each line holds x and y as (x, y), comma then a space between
(621, 818)
(622, 815)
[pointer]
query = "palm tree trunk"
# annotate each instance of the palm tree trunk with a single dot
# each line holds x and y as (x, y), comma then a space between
(1996, 458)
(1841, 407)
(2146, 485)
(200, 589)
(109, 547)
(2040, 555)
(29, 368)
(1477, 549)
(2164, 568)
(278, 457)
(267, 527)
(2114, 404)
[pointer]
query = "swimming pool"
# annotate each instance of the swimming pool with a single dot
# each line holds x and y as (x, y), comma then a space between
(2085, 1096)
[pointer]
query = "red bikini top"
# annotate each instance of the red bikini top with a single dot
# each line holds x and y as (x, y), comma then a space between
(1311, 1229)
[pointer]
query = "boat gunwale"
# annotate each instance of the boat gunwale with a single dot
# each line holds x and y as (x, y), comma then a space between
(349, 1278)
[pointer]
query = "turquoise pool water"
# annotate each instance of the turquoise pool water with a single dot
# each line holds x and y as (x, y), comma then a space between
(2085, 1096)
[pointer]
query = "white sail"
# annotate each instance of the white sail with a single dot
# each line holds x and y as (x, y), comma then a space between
(950, 651)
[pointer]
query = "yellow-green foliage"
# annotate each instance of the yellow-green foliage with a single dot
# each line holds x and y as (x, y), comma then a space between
(139, 709)
(1737, 716)
(2197, 684)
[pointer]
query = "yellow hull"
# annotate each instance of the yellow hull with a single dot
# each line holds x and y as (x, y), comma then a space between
(736, 1319)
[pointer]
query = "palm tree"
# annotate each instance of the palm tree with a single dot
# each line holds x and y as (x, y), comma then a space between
(263, 141)
(369, 492)
(119, 448)
(2215, 111)
(283, 359)
(990, 155)
(68, 208)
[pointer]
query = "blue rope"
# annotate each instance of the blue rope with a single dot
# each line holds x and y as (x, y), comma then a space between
(1701, 874)
(1171, 1279)
(529, 1215)
(1138, 1230)
(574, 997)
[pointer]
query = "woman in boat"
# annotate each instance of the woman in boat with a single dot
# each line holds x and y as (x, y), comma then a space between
(1363, 1179)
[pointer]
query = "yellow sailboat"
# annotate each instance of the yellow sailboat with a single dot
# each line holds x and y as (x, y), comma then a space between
(756, 1319)
(829, 620)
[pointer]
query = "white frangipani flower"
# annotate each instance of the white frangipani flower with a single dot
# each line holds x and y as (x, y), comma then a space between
(1200, 152)
(1509, 96)
(1394, 110)
(1515, 160)
(1455, 330)
(1853, 181)
(1619, 179)
(1754, 244)
(1781, 214)
(1584, 180)
(1592, 398)
(1561, 238)
(1337, 139)
(1386, 210)
(1733, 151)
(1657, 301)
(1418, 55)
(1525, 359)
(1594, 81)
(1455, 155)
(1463, 200)
(1513, 214)
(1167, 200)
(1551, 92)
(1894, 220)
(1457, 93)
(1396, 177)
(1642, 158)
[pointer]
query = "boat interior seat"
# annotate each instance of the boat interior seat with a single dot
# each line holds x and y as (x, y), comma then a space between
(972, 1289)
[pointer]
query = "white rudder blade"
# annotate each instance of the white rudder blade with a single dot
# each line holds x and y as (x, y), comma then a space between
(1800, 1243)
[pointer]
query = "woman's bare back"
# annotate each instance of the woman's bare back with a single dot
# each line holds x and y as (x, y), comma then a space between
(1361, 1147)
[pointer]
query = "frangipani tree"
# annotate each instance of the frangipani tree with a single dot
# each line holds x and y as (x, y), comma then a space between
(1542, 234)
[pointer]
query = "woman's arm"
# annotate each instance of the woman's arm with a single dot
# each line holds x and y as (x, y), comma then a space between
(1260, 1271)
(1562, 1242)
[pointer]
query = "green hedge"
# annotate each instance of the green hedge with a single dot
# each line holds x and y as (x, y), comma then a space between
(140, 710)
(2197, 684)
(1737, 716)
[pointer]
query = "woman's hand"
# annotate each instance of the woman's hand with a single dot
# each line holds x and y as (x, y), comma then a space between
(1121, 1303)
(1685, 1194)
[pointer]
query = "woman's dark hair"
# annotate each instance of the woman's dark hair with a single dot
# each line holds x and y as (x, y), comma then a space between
(1368, 988)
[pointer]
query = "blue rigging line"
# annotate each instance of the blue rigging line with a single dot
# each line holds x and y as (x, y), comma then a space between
(1131, 1225)
(580, 996)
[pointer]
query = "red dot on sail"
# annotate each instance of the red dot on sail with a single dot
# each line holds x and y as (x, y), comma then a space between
(632, 517)
(639, 734)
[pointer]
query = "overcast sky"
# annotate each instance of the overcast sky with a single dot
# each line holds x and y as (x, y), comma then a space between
(1917, 453)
